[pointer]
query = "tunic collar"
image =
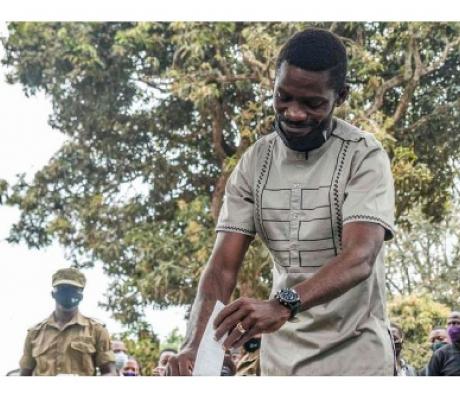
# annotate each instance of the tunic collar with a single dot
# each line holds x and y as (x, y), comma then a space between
(312, 154)
(293, 155)
(77, 319)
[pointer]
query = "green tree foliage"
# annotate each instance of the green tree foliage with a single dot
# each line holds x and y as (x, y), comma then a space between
(144, 346)
(426, 256)
(417, 315)
(173, 341)
(156, 115)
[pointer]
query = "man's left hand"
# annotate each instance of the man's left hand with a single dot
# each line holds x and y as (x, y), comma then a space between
(245, 318)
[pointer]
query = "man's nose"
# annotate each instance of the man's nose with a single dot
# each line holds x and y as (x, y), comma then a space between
(295, 112)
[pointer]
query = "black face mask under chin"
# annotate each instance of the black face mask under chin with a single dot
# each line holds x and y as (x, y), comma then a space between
(315, 139)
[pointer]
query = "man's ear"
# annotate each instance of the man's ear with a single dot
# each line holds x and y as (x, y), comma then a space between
(53, 294)
(342, 95)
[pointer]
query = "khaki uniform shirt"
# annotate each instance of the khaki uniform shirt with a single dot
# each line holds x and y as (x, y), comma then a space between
(77, 348)
(299, 205)
(249, 364)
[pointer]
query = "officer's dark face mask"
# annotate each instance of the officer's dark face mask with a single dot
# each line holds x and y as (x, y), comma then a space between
(252, 345)
(67, 296)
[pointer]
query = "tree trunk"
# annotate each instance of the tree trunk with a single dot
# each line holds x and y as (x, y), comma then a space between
(218, 194)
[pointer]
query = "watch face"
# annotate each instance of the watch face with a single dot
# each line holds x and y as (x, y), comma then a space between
(289, 296)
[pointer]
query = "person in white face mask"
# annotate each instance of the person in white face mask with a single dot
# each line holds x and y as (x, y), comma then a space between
(121, 354)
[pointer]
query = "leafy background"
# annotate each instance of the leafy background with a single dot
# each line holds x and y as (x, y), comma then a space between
(156, 116)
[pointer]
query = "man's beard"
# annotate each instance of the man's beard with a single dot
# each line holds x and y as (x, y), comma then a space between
(304, 143)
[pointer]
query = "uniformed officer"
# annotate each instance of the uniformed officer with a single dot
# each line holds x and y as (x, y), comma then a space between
(249, 363)
(67, 342)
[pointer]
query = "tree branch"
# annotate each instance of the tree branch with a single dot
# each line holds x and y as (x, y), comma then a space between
(442, 109)
(387, 85)
(218, 118)
(439, 63)
(261, 70)
(218, 194)
(161, 87)
(333, 26)
(232, 78)
(396, 287)
(414, 79)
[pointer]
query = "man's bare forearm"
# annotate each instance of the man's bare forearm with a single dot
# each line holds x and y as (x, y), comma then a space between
(217, 282)
(332, 280)
(213, 286)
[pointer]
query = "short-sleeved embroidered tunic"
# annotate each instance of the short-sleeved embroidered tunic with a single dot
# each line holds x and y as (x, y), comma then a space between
(298, 205)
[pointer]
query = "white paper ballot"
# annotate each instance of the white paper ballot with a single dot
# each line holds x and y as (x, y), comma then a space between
(210, 356)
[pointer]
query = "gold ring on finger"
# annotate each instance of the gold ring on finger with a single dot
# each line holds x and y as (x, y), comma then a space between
(240, 328)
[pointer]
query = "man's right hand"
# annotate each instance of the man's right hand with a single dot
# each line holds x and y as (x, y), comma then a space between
(217, 282)
(182, 363)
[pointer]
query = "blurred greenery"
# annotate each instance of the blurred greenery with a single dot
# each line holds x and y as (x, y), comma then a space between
(144, 346)
(426, 255)
(417, 314)
(173, 341)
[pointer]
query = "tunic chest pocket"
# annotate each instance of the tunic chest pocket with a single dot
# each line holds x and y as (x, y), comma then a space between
(82, 356)
(275, 211)
(43, 358)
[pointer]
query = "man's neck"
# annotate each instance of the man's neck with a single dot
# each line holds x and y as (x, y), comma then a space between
(62, 316)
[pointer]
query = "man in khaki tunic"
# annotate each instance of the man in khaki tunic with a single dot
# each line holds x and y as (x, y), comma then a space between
(249, 363)
(319, 193)
(67, 343)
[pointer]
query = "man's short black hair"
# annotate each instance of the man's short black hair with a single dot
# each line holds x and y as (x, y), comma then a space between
(316, 50)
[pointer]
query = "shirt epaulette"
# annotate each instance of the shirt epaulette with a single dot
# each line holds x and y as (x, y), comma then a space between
(36, 327)
(96, 321)
(348, 132)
